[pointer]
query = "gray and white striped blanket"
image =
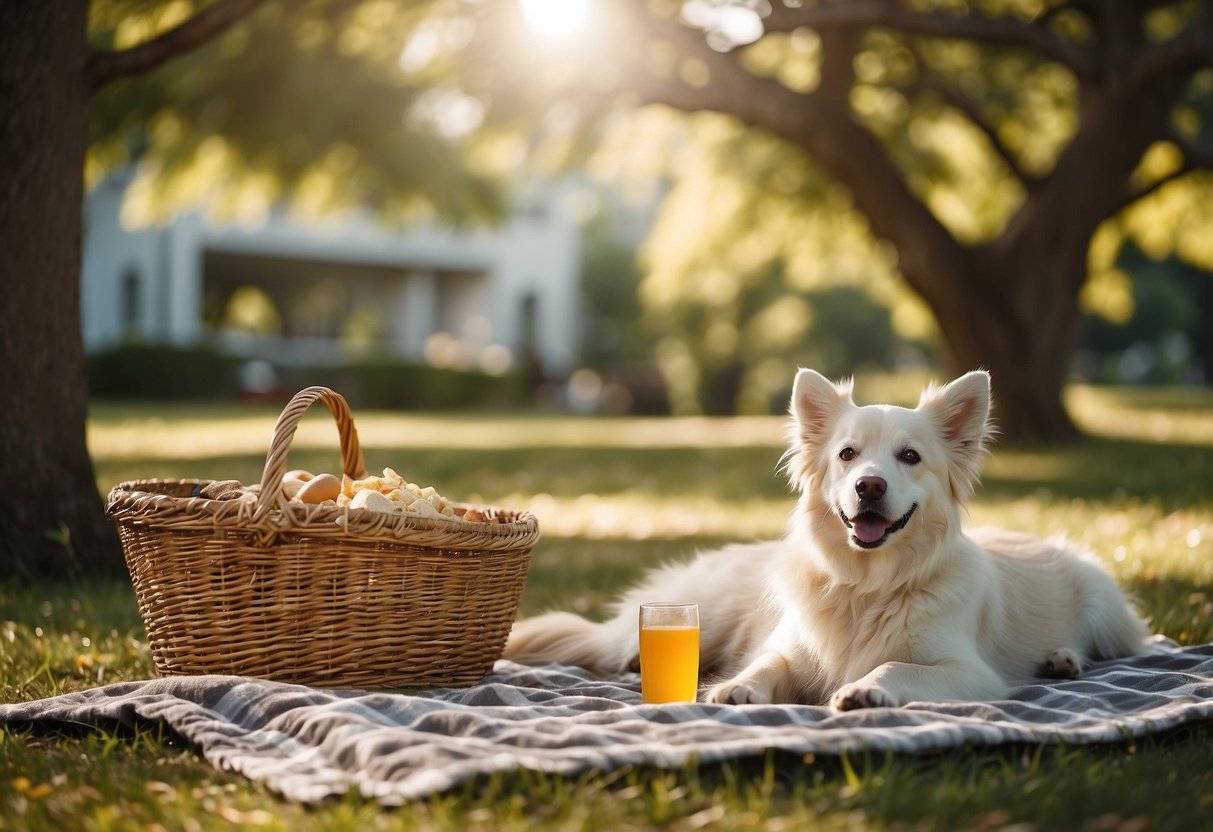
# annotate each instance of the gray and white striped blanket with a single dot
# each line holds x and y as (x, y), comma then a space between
(309, 744)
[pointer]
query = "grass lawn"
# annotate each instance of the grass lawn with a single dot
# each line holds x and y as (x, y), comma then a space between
(614, 496)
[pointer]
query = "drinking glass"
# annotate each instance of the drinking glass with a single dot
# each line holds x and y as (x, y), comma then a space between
(669, 652)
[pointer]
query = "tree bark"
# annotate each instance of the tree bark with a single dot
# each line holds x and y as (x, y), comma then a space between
(53, 522)
(1028, 357)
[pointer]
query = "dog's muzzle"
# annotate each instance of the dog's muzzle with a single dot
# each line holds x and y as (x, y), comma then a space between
(870, 530)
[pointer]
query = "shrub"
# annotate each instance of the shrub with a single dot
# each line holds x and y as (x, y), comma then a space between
(164, 372)
(399, 385)
(161, 371)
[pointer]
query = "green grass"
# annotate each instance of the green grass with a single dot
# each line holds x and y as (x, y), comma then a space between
(613, 497)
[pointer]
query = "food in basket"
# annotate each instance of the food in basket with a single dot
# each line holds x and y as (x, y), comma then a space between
(392, 494)
(293, 481)
(372, 500)
(318, 489)
(387, 494)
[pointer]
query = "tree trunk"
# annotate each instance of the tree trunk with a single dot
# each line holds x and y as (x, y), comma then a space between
(1023, 322)
(53, 522)
(1028, 360)
(1012, 307)
(980, 297)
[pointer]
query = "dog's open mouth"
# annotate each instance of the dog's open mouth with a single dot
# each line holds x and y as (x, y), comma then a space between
(870, 529)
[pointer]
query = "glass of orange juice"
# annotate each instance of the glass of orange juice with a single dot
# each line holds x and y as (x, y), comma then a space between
(669, 652)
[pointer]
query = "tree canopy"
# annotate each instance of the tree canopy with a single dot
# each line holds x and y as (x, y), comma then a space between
(1003, 151)
(996, 154)
(305, 104)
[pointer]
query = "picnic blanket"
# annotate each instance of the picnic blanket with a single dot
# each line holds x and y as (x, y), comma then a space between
(309, 744)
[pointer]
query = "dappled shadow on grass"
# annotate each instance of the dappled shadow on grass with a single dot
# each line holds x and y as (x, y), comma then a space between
(46, 734)
(1147, 783)
(1172, 475)
(1152, 783)
(1174, 607)
(1115, 470)
(89, 608)
(585, 576)
(1183, 399)
(561, 472)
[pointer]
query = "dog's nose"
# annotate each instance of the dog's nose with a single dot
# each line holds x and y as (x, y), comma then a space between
(870, 488)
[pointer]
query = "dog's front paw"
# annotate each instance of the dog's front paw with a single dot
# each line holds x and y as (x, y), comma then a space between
(859, 695)
(1063, 663)
(738, 692)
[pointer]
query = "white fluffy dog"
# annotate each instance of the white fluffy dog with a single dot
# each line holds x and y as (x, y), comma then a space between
(876, 596)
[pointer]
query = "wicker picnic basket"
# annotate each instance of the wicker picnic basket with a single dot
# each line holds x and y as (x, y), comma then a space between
(319, 595)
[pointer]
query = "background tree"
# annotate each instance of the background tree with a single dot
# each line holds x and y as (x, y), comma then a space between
(1005, 148)
(48, 75)
(758, 261)
(290, 102)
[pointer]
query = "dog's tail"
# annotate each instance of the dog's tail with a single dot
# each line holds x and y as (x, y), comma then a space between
(566, 638)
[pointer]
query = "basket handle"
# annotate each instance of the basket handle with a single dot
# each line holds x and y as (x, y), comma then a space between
(284, 432)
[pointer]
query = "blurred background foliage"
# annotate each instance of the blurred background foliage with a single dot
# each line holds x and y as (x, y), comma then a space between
(309, 105)
(756, 259)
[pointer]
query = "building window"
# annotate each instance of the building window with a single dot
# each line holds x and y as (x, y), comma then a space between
(528, 331)
(528, 324)
(131, 288)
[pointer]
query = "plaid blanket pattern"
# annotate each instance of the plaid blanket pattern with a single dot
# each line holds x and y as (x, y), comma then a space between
(309, 744)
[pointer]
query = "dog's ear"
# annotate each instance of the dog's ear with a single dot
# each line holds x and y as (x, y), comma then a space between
(961, 412)
(815, 402)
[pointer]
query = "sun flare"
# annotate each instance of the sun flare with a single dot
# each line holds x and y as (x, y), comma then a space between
(554, 18)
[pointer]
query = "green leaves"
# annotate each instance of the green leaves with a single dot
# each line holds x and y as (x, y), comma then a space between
(302, 103)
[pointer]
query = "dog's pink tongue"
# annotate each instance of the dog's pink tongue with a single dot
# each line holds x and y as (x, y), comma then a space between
(869, 530)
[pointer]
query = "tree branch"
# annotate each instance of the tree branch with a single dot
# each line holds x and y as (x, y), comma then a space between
(999, 31)
(1053, 12)
(822, 125)
(1196, 157)
(763, 102)
(955, 99)
(1141, 193)
(105, 66)
(1189, 50)
(839, 46)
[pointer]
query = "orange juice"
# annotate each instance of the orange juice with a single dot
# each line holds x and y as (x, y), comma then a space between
(669, 664)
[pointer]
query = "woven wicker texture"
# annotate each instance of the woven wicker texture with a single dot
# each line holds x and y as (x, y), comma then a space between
(319, 595)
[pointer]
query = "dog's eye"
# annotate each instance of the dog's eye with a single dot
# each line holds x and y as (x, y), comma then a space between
(847, 454)
(909, 456)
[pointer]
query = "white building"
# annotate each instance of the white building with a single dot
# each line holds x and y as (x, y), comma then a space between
(451, 297)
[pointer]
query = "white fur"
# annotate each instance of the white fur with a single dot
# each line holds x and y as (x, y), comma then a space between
(926, 613)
